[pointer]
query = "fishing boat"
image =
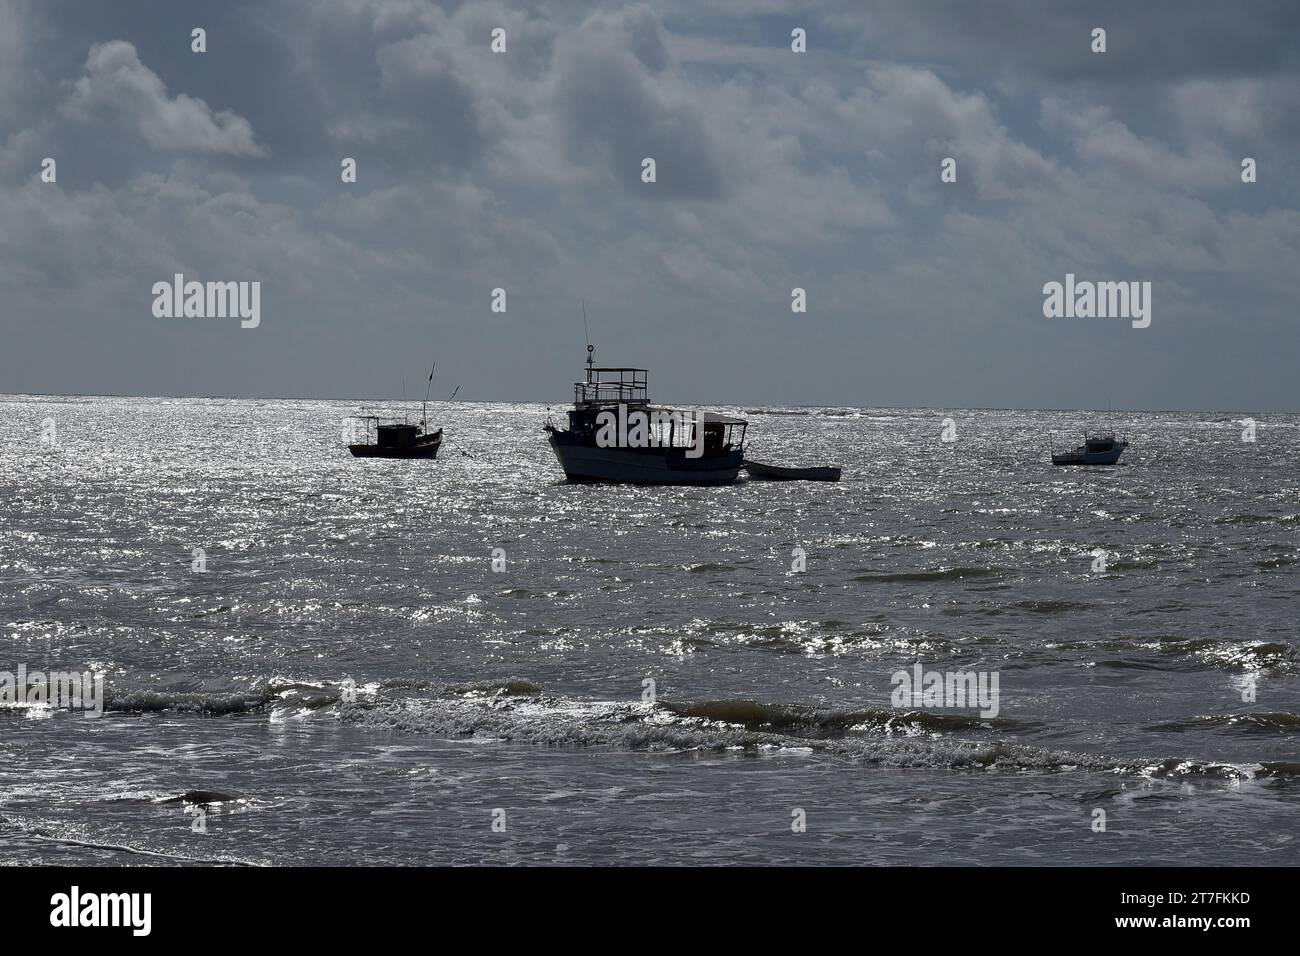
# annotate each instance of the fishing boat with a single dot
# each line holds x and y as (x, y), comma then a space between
(614, 434)
(1095, 450)
(762, 472)
(393, 438)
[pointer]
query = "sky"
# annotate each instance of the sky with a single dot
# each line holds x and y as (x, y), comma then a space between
(522, 170)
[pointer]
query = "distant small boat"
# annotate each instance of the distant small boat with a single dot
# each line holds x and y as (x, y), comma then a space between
(1095, 450)
(764, 472)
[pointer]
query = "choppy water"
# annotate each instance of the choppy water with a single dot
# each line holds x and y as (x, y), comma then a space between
(1120, 690)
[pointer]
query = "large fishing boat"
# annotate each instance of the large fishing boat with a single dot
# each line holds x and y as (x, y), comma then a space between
(616, 435)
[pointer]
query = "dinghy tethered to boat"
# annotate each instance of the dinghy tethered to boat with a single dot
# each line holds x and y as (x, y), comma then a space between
(762, 472)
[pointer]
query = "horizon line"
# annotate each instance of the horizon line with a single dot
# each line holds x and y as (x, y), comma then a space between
(315, 398)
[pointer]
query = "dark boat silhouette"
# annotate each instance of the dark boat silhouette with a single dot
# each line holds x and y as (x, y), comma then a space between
(400, 439)
(395, 439)
(1095, 450)
(686, 448)
(762, 472)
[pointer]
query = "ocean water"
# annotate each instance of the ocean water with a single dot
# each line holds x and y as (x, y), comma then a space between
(346, 680)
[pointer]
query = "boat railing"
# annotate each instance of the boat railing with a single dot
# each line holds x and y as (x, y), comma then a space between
(612, 385)
(364, 429)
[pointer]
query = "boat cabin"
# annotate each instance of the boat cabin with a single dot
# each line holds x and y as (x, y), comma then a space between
(1095, 450)
(624, 391)
(721, 433)
(1098, 443)
(616, 435)
(397, 435)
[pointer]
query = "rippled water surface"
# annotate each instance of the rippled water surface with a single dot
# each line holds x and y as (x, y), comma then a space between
(520, 695)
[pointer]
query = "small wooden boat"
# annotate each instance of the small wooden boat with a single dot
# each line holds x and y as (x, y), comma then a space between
(764, 472)
(398, 440)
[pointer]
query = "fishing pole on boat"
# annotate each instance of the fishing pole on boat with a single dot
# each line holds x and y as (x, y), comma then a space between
(424, 410)
(452, 399)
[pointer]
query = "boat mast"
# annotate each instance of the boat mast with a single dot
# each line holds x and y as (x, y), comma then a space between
(424, 411)
(591, 349)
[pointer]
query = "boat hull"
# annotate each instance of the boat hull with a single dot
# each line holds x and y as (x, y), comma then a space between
(1088, 458)
(427, 450)
(648, 466)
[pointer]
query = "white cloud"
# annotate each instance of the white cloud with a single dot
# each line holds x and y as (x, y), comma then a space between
(116, 84)
(1105, 146)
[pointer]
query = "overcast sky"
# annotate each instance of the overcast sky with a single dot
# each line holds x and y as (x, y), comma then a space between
(775, 170)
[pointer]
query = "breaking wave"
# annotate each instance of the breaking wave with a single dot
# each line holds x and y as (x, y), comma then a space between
(882, 738)
(519, 711)
(309, 696)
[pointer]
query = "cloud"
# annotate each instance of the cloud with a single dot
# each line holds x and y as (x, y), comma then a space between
(12, 26)
(1105, 145)
(775, 169)
(116, 84)
(1157, 42)
(912, 111)
(618, 105)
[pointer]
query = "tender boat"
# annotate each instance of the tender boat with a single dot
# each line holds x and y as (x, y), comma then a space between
(614, 434)
(764, 472)
(1095, 450)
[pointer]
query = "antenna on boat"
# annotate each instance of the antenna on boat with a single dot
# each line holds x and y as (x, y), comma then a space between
(424, 411)
(587, 335)
(403, 397)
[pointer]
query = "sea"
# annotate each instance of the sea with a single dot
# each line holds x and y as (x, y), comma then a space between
(311, 659)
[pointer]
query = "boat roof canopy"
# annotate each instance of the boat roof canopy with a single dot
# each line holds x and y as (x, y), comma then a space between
(626, 384)
(710, 418)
